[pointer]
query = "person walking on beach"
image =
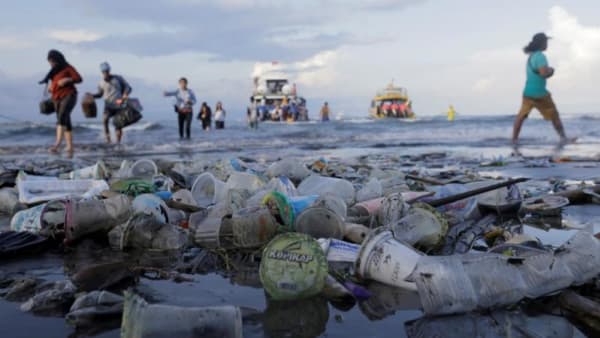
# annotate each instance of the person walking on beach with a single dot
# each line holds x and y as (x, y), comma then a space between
(205, 115)
(253, 116)
(535, 94)
(220, 114)
(324, 112)
(62, 77)
(115, 91)
(185, 100)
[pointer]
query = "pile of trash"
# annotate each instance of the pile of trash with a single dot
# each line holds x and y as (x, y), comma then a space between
(344, 230)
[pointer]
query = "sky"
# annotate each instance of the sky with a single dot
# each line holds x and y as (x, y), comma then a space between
(462, 52)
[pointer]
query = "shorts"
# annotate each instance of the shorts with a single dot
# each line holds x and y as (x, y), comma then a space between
(219, 124)
(63, 108)
(545, 105)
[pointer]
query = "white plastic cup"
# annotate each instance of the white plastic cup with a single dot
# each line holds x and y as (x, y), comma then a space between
(319, 222)
(339, 251)
(385, 259)
(96, 172)
(208, 190)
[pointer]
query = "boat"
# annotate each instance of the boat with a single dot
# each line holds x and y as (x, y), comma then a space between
(391, 102)
(276, 100)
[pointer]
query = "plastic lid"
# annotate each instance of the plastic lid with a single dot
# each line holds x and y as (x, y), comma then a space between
(293, 266)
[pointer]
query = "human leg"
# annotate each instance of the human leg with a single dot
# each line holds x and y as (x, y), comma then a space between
(188, 125)
(180, 122)
(526, 107)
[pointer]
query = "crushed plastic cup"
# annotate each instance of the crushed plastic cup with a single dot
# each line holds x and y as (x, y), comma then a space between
(141, 319)
(320, 185)
(423, 226)
(371, 190)
(35, 191)
(28, 219)
(185, 197)
(91, 216)
(97, 171)
(392, 209)
(94, 306)
(289, 167)
(319, 222)
(550, 205)
(385, 259)
(207, 190)
(143, 169)
(293, 266)
(146, 232)
(339, 251)
(150, 204)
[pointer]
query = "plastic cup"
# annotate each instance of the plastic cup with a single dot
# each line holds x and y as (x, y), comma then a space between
(385, 259)
(143, 169)
(319, 222)
(423, 226)
(141, 319)
(208, 190)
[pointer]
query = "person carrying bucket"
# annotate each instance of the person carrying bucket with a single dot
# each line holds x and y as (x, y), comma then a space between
(115, 91)
(62, 77)
(185, 100)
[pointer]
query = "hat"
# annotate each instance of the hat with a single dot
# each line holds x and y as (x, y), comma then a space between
(104, 67)
(540, 37)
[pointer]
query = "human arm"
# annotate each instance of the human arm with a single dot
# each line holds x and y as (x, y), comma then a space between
(170, 93)
(72, 77)
(540, 64)
(98, 94)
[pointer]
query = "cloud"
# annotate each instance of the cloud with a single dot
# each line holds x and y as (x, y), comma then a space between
(315, 71)
(246, 30)
(74, 36)
(14, 42)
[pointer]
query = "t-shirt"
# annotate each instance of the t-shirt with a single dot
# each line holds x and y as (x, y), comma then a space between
(220, 115)
(112, 90)
(535, 86)
(62, 92)
(183, 98)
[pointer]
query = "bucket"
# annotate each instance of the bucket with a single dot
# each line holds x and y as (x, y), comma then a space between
(206, 229)
(392, 209)
(319, 222)
(385, 259)
(293, 266)
(141, 319)
(422, 226)
(208, 190)
(280, 207)
(28, 219)
(333, 203)
(249, 228)
(150, 204)
(97, 171)
(320, 185)
(143, 169)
